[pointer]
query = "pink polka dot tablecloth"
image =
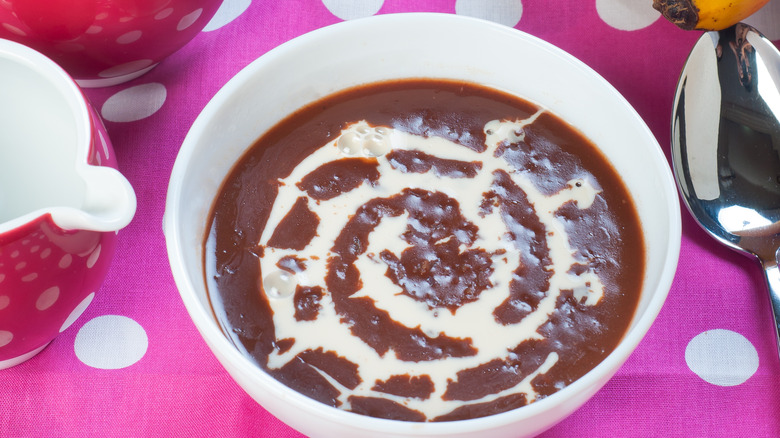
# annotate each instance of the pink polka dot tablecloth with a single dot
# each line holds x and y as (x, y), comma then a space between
(134, 365)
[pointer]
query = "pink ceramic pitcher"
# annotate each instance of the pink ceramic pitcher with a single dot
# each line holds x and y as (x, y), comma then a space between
(62, 202)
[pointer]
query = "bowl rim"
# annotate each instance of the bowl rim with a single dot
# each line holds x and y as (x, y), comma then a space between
(213, 335)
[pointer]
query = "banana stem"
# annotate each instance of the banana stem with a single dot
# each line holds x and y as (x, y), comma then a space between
(683, 13)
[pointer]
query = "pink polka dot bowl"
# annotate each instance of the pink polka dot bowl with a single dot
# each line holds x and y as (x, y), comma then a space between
(62, 201)
(387, 47)
(103, 43)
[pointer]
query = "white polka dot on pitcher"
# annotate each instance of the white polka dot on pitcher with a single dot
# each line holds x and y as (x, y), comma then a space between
(13, 29)
(228, 11)
(165, 13)
(65, 261)
(111, 342)
(129, 37)
(721, 357)
(93, 258)
(189, 19)
(627, 14)
(506, 12)
(352, 9)
(5, 338)
(74, 315)
(47, 298)
(4, 301)
(134, 103)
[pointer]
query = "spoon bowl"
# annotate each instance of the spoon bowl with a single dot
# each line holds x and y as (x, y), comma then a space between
(726, 144)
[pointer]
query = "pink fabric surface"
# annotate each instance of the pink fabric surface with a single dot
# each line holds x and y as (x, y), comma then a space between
(177, 388)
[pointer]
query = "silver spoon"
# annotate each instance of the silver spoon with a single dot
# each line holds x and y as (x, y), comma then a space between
(726, 144)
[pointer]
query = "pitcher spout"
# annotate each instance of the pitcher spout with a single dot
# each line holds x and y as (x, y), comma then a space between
(109, 202)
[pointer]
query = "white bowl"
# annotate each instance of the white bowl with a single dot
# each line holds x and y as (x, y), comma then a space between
(401, 46)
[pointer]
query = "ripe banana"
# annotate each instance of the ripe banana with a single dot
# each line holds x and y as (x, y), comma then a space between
(707, 14)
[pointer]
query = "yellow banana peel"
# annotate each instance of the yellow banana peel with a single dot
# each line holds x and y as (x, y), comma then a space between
(707, 14)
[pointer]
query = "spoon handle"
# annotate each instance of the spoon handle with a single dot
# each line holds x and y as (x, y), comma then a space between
(772, 275)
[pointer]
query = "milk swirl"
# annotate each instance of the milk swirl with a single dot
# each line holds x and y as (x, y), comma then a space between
(483, 234)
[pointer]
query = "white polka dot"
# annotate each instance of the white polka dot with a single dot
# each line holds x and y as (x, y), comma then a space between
(352, 9)
(19, 266)
(94, 29)
(5, 338)
(766, 19)
(45, 253)
(2, 277)
(111, 342)
(47, 298)
(101, 16)
(228, 11)
(74, 315)
(93, 258)
(721, 357)
(34, 249)
(65, 261)
(165, 13)
(134, 103)
(125, 19)
(30, 277)
(126, 68)
(189, 19)
(627, 14)
(15, 254)
(14, 29)
(507, 12)
(4, 301)
(129, 37)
